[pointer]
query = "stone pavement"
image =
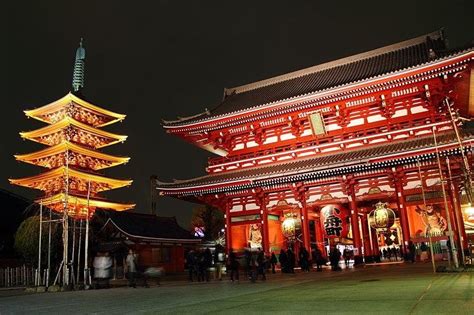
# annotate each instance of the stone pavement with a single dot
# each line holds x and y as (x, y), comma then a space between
(388, 289)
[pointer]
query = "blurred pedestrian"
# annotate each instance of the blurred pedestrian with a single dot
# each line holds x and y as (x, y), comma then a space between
(385, 254)
(347, 256)
(131, 262)
(207, 263)
(291, 261)
(261, 264)
(318, 258)
(304, 259)
(273, 261)
(248, 262)
(411, 251)
(394, 253)
(102, 269)
(233, 264)
(334, 257)
(219, 261)
(201, 265)
(191, 262)
(283, 261)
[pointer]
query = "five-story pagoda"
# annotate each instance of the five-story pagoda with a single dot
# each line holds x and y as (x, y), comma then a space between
(71, 183)
(72, 158)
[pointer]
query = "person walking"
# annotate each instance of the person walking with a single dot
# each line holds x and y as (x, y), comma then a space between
(248, 263)
(273, 262)
(318, 259)
(207, 263)
(347, 256)
(191, 262)
(394, 253)
(291, 261)
(219, 261)
(233, 265)
(102, 272)
(261, 264)
(385, 254)
(334, 257)
(131, 262)
(283, 261)
(304, 259)
(411, 251)
(201, 265)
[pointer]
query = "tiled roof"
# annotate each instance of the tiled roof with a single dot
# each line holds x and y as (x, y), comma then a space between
(336, 73)
(147, 225)
(321, 163)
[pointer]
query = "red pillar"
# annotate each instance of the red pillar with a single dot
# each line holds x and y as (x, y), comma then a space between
(456, 197)
(318, 233)
(228, 229)
(375, 243)
(305, 224)
(266, 238)
(403, 214)
(355, 227)
(366, 237)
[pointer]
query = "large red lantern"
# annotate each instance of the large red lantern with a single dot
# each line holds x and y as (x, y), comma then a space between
(382, 218)
(334, 221)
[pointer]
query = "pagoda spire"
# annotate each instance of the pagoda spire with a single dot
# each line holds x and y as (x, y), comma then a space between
(79, 68)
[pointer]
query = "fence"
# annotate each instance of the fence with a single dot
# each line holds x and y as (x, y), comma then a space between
(17, 276)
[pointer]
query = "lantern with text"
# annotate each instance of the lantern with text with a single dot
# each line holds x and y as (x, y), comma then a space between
(334, 221)
(382, 218)
(288, 226)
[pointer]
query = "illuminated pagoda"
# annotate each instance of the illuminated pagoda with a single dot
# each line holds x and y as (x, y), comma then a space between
(72, 160)
(303, 158)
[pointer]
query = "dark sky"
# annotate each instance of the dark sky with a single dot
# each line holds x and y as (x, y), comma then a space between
(159, 59)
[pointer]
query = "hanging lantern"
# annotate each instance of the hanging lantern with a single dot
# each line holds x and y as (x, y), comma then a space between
(334, 221)
(288, 226)
(469, 213)
(382, 218)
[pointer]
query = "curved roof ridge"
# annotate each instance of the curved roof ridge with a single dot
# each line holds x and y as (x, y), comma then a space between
(334, 63)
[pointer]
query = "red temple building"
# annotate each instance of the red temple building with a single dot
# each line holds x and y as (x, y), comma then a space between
(370, 150)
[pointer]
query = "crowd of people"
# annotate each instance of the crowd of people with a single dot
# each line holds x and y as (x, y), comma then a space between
(253, 263)
(199, 262)
(391, 253)
(135, 273)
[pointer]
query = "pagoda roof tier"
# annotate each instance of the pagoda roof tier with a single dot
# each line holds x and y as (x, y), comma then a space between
(329, 165)
(69, 129)
(54, 181)
(55, 156)
(80, 203)
(323, 78)
(74, 107)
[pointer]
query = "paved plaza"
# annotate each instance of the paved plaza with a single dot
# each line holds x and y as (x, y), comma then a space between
(388, 289)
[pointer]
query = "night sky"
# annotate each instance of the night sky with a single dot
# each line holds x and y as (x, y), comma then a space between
(161, 59)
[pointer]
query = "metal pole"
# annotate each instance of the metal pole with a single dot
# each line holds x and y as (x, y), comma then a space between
(38, 277)
(86, 240)
(49, 249)
(59, 272)
(467, 168)
(79, 252)
(456, 214)
(73, 254)
(424, 213)
(450, 228)
(66, 225)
